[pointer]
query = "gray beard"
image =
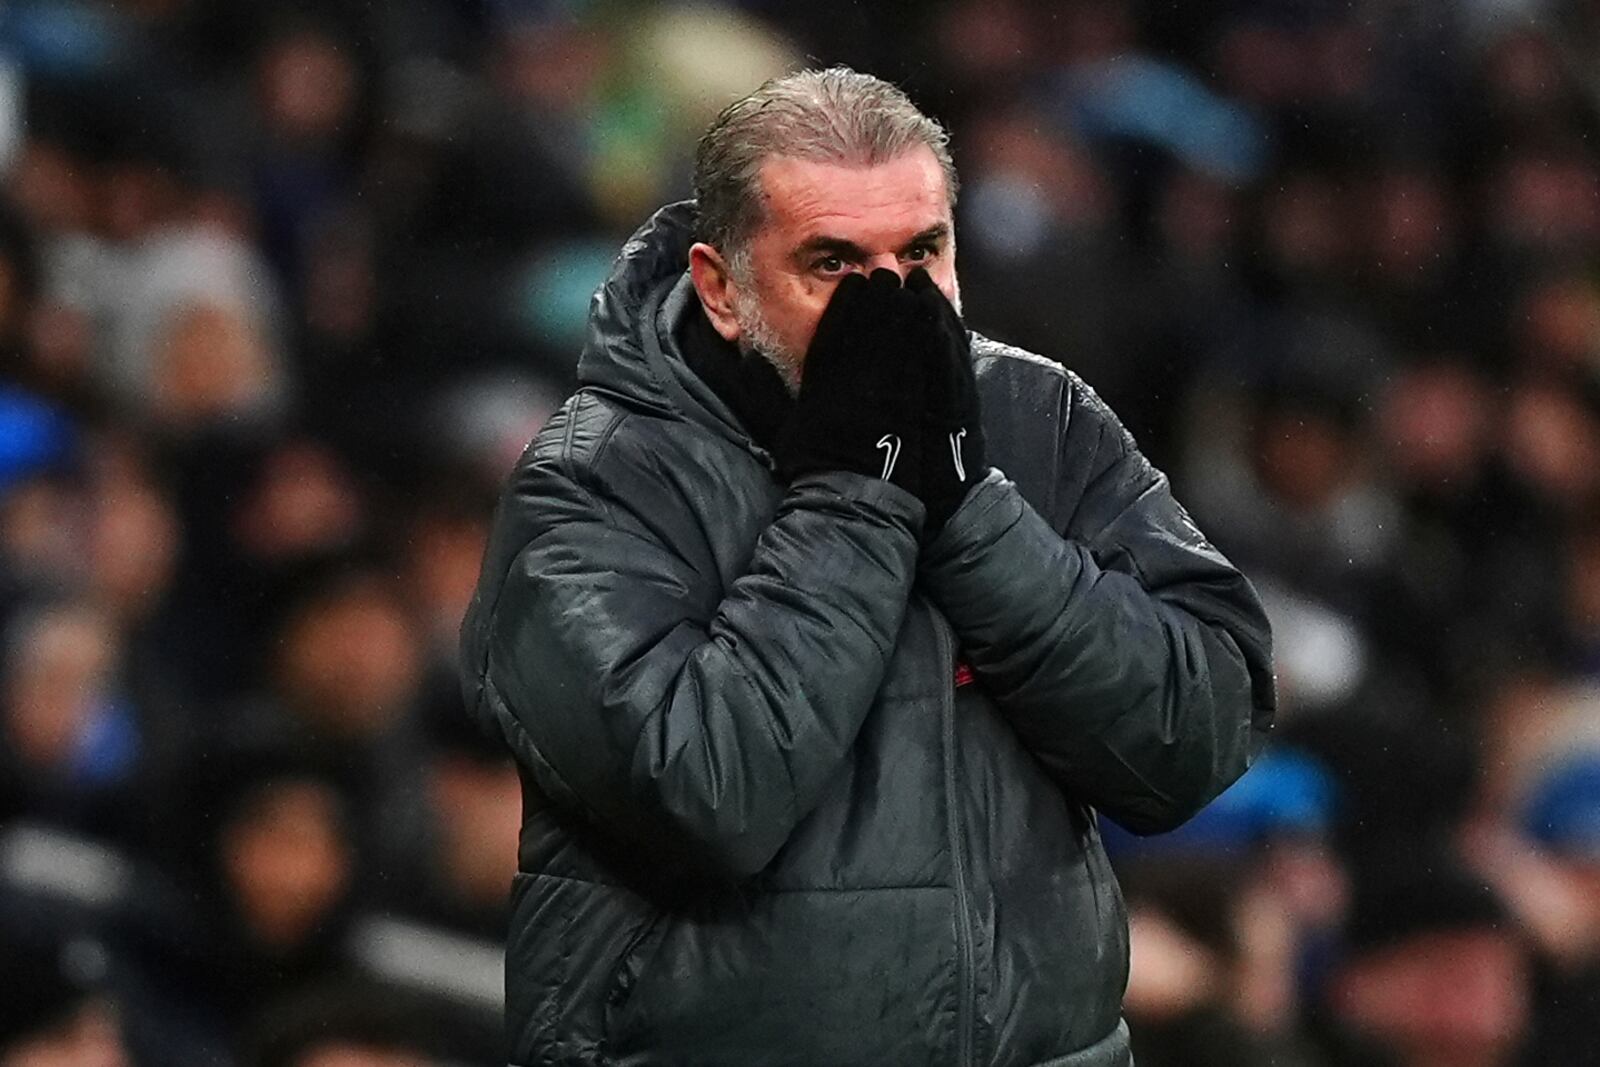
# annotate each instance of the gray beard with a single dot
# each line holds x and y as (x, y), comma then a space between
(758, 338)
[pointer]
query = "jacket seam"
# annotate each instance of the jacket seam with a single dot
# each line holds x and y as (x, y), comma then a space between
(569, 469)
(989, 348)
(761, 891)
(580, 474)
(1065, 392)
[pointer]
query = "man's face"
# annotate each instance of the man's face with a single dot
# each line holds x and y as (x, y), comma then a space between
(824, 221)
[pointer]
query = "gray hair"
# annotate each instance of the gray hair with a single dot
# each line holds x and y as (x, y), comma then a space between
(827, 116)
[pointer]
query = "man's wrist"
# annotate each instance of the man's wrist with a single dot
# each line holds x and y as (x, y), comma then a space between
(984, 512)
(825, 490)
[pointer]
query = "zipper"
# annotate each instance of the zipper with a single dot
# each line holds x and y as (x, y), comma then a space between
(968, 1006)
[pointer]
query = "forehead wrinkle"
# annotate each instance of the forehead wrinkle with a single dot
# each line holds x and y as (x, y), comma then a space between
(796, 193)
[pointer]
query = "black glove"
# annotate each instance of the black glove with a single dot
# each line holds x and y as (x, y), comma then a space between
(953, 450)
(861, 388)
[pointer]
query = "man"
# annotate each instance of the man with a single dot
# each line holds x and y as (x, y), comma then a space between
(820, 630)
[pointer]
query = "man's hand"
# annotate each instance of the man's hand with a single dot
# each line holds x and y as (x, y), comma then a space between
(862, 386)
(953, 456)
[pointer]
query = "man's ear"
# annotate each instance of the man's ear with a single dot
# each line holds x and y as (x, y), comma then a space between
(714, 283)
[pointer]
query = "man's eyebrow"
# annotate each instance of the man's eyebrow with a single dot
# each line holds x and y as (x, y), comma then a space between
(838, 246)
(932, 235)
(835, 246)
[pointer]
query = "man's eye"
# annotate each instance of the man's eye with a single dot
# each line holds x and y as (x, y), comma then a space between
(919, 253)
(830, 265)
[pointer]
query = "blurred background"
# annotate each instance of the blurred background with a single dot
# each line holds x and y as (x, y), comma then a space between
(286, 286)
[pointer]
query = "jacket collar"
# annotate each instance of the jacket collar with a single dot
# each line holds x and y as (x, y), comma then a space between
(630, 349)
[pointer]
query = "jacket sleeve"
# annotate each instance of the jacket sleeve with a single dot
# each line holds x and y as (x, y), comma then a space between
(697, 731)
(1130, 656)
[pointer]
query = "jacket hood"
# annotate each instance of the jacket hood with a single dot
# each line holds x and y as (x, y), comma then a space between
(629, 348)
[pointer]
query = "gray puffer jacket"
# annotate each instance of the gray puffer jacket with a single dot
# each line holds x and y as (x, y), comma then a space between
(799, 792)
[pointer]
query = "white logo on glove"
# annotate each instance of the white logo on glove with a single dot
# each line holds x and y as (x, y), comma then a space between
(890, 444)
(955, 453)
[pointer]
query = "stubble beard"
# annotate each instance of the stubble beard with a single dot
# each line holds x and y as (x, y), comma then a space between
(758, 338)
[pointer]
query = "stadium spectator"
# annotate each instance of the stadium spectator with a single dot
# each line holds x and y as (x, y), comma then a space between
(1435, 971)
(285, 287)
(52, 1011)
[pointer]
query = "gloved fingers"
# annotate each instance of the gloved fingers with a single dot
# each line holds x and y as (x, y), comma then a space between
(921, 293)
(919, 281)
(893, 318)
(883, 280)
(943, 348)
(931, 303)
(852, 283)
(861, 305)
(933, 298)
(848, 294)
(833, 326)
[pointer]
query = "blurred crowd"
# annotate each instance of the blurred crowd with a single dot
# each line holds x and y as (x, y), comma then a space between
(286, 285)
